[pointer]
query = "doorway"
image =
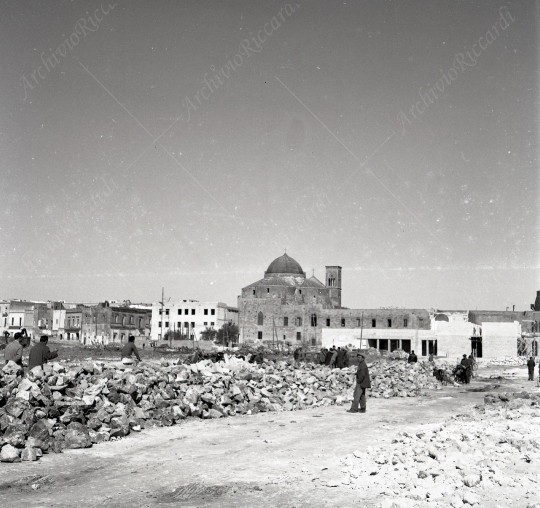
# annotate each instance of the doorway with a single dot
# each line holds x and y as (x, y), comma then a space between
(476, 347)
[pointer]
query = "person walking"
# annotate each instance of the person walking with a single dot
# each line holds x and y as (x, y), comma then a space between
(362, 383)
(40, 353)
(530, 365)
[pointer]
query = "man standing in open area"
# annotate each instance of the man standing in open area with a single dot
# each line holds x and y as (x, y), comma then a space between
(129, 349)
(362, 383)
(530, 365)
(467, 368)
(40, 353)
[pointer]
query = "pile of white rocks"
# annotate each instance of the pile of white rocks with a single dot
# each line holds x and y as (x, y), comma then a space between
(461, 462)
(510, 361)
(76, 405)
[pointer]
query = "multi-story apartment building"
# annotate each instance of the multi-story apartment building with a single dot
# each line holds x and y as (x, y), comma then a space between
(33, 316)
(190, 317)
(109, 322)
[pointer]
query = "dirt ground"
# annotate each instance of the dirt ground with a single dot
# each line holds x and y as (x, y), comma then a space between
(288, 459)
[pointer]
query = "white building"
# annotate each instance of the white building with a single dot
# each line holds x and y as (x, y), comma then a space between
(4, 314)
(190, 317)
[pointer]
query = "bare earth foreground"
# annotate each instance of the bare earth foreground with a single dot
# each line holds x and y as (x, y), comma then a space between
(289, 459)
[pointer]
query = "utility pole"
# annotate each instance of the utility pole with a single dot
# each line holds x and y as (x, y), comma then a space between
(162, 304)
(361, 328)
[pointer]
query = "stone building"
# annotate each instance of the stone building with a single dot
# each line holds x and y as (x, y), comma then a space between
(108, 323)
(288, 306)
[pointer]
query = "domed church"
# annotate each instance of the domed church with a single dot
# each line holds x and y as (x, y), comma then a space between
(285, 303)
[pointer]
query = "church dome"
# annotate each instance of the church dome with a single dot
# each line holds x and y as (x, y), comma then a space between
(284, 265)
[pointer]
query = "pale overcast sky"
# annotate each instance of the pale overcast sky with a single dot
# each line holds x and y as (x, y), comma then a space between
(187, 144)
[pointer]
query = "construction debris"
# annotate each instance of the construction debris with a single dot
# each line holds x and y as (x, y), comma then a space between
(64, 406)
(510, 361)
(460, 461)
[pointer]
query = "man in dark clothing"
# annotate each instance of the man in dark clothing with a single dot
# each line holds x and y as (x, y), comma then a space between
(340, 358)
(362, 383)
(40, 353)
(465, 363)
(14, 350)
(129, 349)
(412, 358)
(530, 365)
(328, 358)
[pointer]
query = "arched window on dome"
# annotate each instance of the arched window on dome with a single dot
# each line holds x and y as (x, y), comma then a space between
(260, 319)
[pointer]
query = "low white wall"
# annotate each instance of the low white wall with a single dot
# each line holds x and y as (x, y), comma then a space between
(500, 339)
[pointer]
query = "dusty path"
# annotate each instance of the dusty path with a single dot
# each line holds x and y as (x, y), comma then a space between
(269, 459)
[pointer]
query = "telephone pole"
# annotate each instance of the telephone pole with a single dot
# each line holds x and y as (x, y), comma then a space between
(162, 304)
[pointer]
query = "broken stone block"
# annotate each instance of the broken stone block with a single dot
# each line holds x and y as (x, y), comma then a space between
(9, 453)
(77, 437)
(29, 454)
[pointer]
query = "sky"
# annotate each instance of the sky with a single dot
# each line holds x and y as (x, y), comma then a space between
(187, 144)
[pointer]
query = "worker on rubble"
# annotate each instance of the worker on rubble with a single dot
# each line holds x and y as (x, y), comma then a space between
(530, 365)
(40, 353)
(328, 357)
(412, 357)
(296, 356)
(129, 349)
(322, 356)
(340, 358)
(333, 360)
(362, 383)
(14, 350)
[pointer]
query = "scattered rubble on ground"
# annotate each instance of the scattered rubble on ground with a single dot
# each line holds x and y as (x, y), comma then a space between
(77, 405)
(512, 361)
(460, 462)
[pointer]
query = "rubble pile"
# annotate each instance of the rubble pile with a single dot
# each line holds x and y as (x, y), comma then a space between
(76, 405)
(462, 461)
(511, 361)
(400, 379)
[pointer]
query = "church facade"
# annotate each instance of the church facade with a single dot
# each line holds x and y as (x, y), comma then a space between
(288, 306)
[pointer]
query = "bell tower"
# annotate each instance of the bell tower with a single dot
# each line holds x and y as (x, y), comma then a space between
(333, 283)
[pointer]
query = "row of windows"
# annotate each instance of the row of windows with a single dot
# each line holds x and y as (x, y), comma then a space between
(298, 336)
(313, 321)
(186, 312)
(186, 324)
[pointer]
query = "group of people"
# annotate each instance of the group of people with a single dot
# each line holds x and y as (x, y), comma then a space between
(39, 353)
(335, 358)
